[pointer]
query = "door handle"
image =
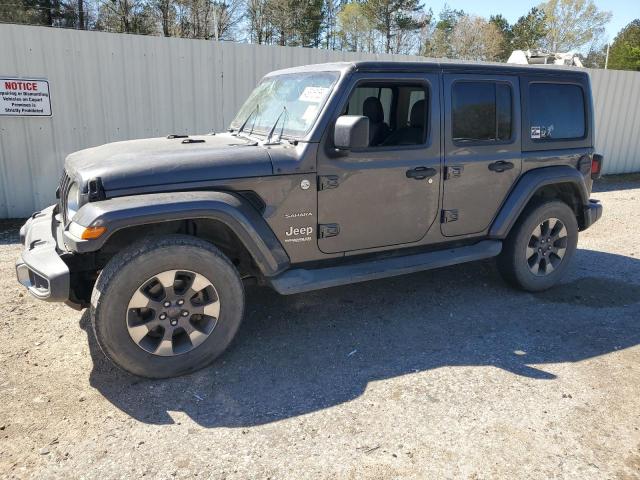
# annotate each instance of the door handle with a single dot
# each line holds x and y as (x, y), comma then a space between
(500, 166)
(420, 173)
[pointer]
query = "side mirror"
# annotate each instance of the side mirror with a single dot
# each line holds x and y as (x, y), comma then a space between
(351, 131)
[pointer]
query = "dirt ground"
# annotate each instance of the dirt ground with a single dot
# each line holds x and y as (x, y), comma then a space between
(442, 374)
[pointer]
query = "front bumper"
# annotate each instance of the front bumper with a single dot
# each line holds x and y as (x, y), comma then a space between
(592, 213)
(40, 267)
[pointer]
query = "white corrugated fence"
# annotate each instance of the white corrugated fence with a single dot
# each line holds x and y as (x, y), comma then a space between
(106, 87)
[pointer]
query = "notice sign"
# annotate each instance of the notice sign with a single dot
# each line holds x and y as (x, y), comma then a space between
(24, 97)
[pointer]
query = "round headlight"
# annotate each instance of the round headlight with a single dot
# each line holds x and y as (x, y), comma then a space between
(73, 200)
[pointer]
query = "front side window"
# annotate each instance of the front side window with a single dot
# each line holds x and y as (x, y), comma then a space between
(383, 94)
(415, 96)
(397, 112)
(557, 111)
(481, 111)
(292, 102)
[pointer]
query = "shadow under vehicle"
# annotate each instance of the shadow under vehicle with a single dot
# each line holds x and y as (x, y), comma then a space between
(293, 354)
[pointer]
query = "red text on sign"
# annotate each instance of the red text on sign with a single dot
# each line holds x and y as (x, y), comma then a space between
(28, 86)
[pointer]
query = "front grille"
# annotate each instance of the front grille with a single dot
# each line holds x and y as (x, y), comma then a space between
(63, 188)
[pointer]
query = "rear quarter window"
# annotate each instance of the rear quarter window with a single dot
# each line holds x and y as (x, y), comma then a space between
(556, 112)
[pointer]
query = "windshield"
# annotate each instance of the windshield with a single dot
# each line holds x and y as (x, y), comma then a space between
(301, 95)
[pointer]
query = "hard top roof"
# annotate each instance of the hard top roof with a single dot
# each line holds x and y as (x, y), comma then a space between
(431, 66)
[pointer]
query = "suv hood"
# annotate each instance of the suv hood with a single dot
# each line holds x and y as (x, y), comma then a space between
(162, 161)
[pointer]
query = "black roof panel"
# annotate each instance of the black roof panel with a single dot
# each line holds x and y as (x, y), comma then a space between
(430, 66)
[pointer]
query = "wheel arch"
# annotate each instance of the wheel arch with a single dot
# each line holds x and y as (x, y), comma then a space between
(225, 219)
(561, 182)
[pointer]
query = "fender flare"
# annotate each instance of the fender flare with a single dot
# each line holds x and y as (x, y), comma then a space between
(526, 188)
(232, 210)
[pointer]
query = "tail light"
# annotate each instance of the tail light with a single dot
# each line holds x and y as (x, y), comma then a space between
(596, 165)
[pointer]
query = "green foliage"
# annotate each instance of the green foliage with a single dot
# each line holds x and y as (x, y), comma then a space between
(126, 16)
(354, 28)
(467, 37)
(392, 26)
(393, 17)
(505, 44)
(596, 57)
(529, 31)
(296, 23)
(572, 24)
(624, 53)
(475, 38)
(54, 13)
(448, 19)
(438, 44)
(526, 34)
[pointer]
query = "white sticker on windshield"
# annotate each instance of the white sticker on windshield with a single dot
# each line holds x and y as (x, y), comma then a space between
(313, 94)
(310, 113)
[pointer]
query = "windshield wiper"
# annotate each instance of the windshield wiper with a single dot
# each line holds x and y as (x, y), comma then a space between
(244, 124)
(267, 140)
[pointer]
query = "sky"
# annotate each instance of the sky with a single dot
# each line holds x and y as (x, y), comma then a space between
(623, 11)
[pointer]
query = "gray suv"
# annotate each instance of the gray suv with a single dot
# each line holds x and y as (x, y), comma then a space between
(329, 174)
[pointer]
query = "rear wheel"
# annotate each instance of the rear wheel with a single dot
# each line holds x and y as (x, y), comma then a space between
(539, 248)
(167, 306)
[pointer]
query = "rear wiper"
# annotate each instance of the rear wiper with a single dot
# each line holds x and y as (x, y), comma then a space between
(267, 140)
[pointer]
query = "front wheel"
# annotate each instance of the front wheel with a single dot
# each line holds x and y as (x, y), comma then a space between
(539, 248)
(165, 307)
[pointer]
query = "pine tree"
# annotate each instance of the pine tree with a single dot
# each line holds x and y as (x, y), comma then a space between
(624, 53)
(391, 17)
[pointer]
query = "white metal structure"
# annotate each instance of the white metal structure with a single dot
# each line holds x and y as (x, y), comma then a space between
(528, 57)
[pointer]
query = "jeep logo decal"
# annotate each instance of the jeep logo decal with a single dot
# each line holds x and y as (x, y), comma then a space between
(306, 231)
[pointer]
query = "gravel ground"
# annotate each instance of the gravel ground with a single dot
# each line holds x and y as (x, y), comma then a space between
(442, 374)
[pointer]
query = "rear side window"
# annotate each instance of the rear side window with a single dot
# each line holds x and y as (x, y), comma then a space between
(557, 111)
(482, 112)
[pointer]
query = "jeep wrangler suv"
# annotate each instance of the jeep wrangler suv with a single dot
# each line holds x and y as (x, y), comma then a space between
(329, 174)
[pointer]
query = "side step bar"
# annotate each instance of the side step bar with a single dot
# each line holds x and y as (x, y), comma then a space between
(303, 280)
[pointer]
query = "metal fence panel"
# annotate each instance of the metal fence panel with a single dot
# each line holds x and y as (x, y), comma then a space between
(616, 96)
(108, 87)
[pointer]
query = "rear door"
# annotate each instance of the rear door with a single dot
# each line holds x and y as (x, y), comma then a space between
(482, 146)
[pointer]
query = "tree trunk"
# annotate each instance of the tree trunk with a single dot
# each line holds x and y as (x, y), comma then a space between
(48, 6)
(387, 26)
(165, 19)
(81, 25)
(125, 17)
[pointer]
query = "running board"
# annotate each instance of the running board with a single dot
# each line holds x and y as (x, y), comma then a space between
(300, 280)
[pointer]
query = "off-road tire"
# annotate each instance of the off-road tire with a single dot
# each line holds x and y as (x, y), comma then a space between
(123, 276)
(513, 263)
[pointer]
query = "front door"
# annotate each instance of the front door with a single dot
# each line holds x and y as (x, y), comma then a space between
(386, 194)
(482, 149)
